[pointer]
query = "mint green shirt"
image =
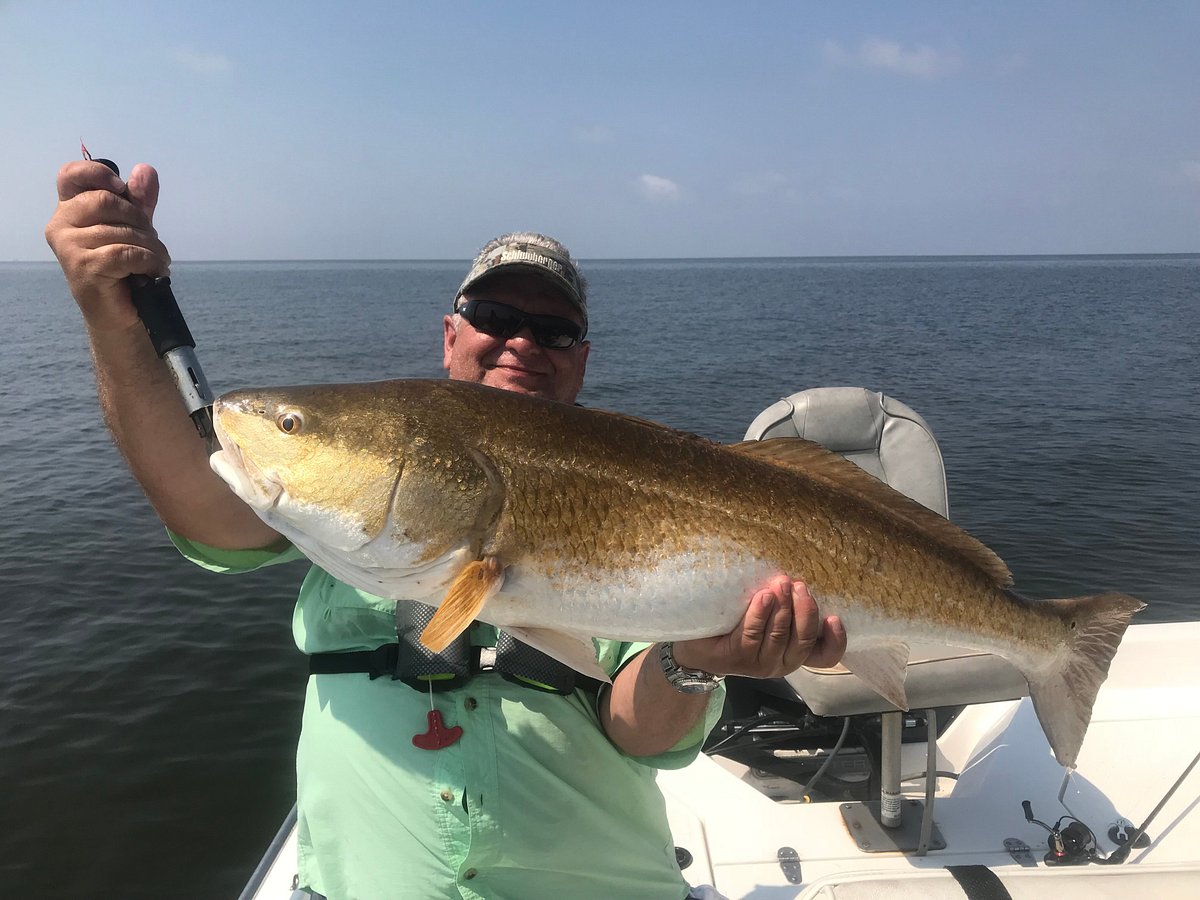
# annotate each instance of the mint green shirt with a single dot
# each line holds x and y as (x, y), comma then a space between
(532, 802)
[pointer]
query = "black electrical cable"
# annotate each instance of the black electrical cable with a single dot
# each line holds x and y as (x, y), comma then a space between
(829, 760)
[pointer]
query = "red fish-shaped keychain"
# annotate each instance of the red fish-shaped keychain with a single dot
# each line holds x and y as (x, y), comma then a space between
(440, 735)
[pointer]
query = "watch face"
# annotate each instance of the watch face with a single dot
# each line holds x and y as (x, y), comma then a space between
(686, 681)
(692, 685)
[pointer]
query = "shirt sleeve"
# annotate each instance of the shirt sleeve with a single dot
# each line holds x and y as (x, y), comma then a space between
(614, 656)
(232, 561)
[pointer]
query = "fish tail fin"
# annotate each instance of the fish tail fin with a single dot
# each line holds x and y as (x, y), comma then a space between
(1063, 693)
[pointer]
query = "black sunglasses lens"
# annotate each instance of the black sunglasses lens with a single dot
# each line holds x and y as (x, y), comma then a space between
(555, 335)
(495, 319)
(501, 320)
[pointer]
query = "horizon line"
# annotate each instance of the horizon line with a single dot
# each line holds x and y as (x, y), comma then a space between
(591, 259)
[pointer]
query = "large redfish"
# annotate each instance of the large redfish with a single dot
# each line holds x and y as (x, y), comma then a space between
(558, 523)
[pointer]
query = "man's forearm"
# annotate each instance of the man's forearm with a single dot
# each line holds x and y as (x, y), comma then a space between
(642, 713)
(151, 427)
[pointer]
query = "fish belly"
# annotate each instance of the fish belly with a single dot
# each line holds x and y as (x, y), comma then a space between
(872, 623)
(674, 597)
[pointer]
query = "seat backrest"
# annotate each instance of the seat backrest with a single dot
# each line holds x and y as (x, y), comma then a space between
(892, 442)
(879, 433)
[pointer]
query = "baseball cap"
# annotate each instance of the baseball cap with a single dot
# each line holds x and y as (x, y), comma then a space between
(513, 256)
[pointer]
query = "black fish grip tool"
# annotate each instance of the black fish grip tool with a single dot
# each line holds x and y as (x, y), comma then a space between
(159, 311)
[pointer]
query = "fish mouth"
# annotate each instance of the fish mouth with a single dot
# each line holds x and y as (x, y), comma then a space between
(251, 484)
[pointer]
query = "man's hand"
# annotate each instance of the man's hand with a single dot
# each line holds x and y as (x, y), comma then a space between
(780, 631)
(102, 232)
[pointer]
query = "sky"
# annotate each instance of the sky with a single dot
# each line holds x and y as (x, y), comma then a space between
(651, 129)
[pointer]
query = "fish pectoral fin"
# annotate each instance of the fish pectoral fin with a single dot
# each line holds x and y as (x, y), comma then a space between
(574, 650)
(880, 665)
(473, 587)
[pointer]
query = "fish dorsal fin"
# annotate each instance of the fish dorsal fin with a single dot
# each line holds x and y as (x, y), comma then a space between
(634, 420)
(653, 426)
(811, 459)
(474, 586)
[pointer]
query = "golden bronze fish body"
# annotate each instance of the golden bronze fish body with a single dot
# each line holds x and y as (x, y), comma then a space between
(558, 523)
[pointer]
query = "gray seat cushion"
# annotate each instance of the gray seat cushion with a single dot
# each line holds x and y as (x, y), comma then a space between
(892, 442)
(879, 433)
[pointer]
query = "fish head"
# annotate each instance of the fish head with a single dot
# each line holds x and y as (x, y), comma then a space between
(373, 481)
(309, 462)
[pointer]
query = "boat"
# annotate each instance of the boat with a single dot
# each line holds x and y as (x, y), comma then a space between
(814, 787)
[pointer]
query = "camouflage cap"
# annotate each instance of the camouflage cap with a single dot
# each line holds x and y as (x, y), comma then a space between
(525, 256)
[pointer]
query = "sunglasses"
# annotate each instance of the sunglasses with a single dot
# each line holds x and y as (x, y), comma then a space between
(503, 321)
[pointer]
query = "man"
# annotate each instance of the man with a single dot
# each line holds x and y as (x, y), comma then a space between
(517, 791)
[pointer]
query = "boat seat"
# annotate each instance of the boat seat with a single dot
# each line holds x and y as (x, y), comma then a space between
(891, 441)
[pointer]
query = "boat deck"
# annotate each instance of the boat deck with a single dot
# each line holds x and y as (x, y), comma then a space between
(1145, 731)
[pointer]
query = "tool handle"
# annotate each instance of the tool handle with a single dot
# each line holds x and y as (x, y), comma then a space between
(155, 302)
(159, 311)
(156, 306)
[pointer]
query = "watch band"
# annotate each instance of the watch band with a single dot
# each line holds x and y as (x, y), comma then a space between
(686, 681)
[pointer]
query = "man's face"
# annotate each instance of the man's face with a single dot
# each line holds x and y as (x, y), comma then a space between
(517, 363)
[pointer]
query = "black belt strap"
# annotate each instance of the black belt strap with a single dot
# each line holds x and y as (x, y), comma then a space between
(376, 663)
(515, 662)
(411, 662)
(979, 883)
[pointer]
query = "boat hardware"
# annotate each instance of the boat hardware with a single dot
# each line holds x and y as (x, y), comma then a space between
(1120, 831)
(881, 826)
(1069, 846)
(862, 820)
(1020, 851)
(789, 864)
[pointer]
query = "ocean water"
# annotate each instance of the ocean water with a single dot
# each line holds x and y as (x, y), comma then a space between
(149, 710)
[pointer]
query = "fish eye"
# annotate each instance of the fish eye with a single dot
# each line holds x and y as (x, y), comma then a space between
(290, 422)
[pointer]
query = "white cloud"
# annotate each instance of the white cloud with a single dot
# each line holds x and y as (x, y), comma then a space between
(1191, 171)
(655, 187)
(207, 64)
(877, 53)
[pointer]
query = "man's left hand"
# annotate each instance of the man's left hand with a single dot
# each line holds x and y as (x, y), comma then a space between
(781, 630)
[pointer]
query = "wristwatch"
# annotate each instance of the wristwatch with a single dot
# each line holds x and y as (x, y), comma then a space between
(686, 681)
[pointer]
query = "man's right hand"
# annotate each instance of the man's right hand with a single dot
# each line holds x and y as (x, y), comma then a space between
(102, 232)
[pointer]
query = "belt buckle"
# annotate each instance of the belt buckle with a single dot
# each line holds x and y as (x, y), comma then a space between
(382, 661)
(487, 659)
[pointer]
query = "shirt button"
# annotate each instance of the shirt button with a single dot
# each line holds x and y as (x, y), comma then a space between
(470, 873)
(447, 795)
(470, 703)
